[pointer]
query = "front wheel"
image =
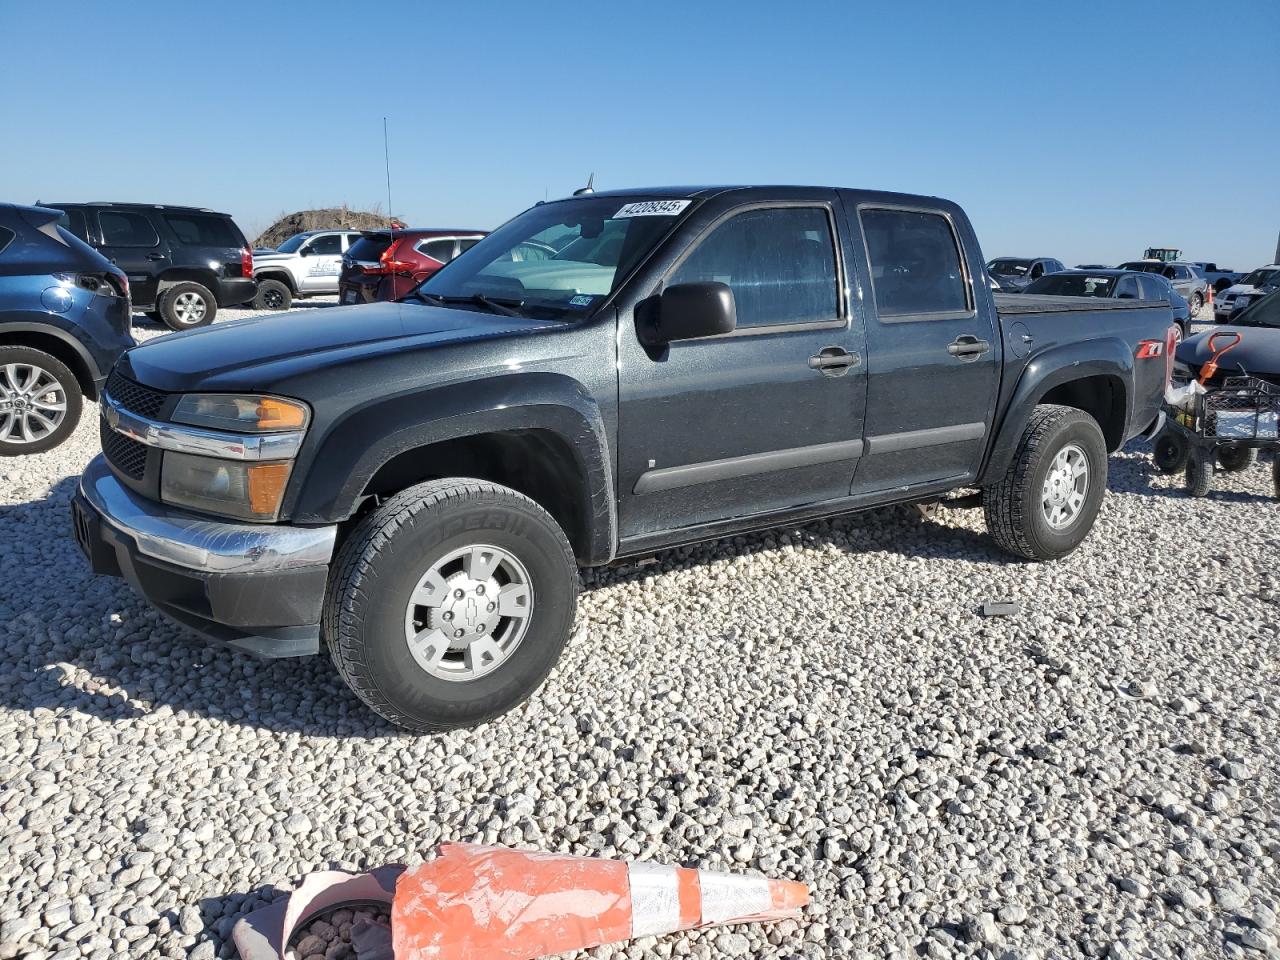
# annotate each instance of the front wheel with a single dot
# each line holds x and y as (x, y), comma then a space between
(1235, 459)
(272, 295)
(450, 604)
(40, 401)
(1169, 451)
(1046, 502)
(1275, 475)
(1199, 477)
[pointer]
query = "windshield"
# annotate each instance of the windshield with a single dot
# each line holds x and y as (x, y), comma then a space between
(1072, 285)
(1263, 312)
(1009, 268)
(293, 243)
(1260, 277)
(557, 261)
(1146, 266)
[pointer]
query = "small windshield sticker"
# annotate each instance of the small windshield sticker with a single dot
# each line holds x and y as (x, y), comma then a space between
(581, 300)
(652, 208)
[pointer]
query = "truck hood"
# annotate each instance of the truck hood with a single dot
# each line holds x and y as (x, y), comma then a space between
(1257, 353)
(254, 353)
(1236, 288)
(272, 256)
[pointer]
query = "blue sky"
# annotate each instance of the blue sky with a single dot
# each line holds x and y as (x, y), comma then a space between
(1077, 130)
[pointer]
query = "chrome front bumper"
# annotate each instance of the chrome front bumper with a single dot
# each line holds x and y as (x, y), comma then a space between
(258, 587)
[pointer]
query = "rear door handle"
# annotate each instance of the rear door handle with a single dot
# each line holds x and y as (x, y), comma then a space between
(968, 347)
(834, 361)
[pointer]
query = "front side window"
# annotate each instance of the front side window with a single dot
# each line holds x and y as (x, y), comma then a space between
(780, 264)
(558, 260)
(121, 228)
(915, 263)
(329, 245)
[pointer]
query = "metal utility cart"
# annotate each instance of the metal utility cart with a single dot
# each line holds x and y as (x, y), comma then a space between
(1224, 428)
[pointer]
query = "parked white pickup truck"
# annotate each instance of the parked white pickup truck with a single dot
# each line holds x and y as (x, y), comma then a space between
(305, 265)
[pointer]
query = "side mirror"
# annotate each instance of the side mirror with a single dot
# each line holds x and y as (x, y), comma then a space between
(688, 311)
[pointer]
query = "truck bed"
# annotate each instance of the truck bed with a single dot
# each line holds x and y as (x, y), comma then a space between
(1015, 304)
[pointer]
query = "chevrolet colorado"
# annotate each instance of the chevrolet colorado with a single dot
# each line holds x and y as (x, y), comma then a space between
(415, 483)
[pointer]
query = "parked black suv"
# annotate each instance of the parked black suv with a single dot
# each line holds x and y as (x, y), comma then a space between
(64, 322)
(182, 262)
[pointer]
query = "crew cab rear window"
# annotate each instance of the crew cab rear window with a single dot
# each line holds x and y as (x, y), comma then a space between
(915, 263)
(121, 228)
(780, 263)
(201, 230)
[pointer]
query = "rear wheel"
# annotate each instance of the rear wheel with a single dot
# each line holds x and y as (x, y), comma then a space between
(40, 401)
(1275, 474)
(1235, 459)
(450, 604)
(1049, 497)
(1169, 451)
(1199, 478)
(187, 305)
(272, 295)
(1197, 301)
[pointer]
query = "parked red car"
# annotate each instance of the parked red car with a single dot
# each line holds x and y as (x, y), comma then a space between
(387, 264)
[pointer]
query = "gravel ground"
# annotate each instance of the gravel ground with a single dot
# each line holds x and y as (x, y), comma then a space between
(1094, 776)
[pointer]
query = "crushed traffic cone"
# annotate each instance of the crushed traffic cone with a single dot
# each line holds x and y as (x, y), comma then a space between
(491, 903)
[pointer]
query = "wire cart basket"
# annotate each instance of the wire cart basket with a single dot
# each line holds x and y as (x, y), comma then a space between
(1225, 426)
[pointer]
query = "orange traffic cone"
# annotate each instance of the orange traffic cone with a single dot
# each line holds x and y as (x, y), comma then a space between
(490, 903)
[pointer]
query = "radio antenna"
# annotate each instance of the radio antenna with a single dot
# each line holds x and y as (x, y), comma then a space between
(386, 156)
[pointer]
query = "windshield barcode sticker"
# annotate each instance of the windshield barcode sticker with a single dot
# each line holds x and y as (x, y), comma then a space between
(652, 208)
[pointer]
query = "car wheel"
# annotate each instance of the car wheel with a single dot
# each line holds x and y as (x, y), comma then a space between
(1275, 474)
(1197, 301)
(450, 604)
(1047, 500)
(185, 306)
(1199, 477)
(272, 295)
(1169, 451)
(40, 401)
(1235, 459)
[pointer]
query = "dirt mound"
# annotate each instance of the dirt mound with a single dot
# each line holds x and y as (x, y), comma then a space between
(326, 218)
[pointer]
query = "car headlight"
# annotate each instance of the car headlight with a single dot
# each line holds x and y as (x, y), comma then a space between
(241, 414)
(233, 488)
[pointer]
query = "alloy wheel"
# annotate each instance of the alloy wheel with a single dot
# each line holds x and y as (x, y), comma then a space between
(1065, 487)
(32, 403)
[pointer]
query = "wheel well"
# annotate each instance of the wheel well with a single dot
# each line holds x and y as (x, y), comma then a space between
(538, 463)
(1102, 397)
(55, 347)
(173, 277)
(284, 276)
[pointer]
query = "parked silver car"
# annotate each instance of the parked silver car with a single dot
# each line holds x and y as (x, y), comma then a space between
(1186, 278)
(1014, 273)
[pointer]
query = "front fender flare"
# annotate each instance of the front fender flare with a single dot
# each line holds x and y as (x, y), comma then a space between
(337, 466)
(1108, 356)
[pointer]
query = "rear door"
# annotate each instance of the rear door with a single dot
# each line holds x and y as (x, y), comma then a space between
(130, 240)
(759, 420)
(933, 351)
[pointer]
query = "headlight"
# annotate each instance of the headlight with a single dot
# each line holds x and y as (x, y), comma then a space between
(233, 488)
(241, 414)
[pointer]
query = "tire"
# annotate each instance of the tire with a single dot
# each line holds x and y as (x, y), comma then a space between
(1235, 459)
(1199, 477)
(369, 617)
(1197, 302)
(1275, 474)
(154, 316)
(40, 401)
(272, 295)
(1018, 507)
(186, 306)
(1183, 330)
(1169, 451)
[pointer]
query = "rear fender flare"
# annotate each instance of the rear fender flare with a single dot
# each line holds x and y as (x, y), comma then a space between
(337, 467)
(1109, 356)
(42, 328)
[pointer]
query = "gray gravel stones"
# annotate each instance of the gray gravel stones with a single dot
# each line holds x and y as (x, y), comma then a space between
(820, 703)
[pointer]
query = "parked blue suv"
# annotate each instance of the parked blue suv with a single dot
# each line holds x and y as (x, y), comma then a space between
(64, 321)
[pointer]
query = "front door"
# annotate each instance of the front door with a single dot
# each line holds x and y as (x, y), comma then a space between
(322, 257)
(934, 353)
(759, 420)
(129, 239)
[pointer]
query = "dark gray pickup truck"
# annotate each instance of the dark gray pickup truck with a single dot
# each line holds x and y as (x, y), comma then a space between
(602, 377)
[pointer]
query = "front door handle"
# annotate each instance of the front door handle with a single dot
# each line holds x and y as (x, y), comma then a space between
(156, 256)
(834, 361)
(968, 347)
